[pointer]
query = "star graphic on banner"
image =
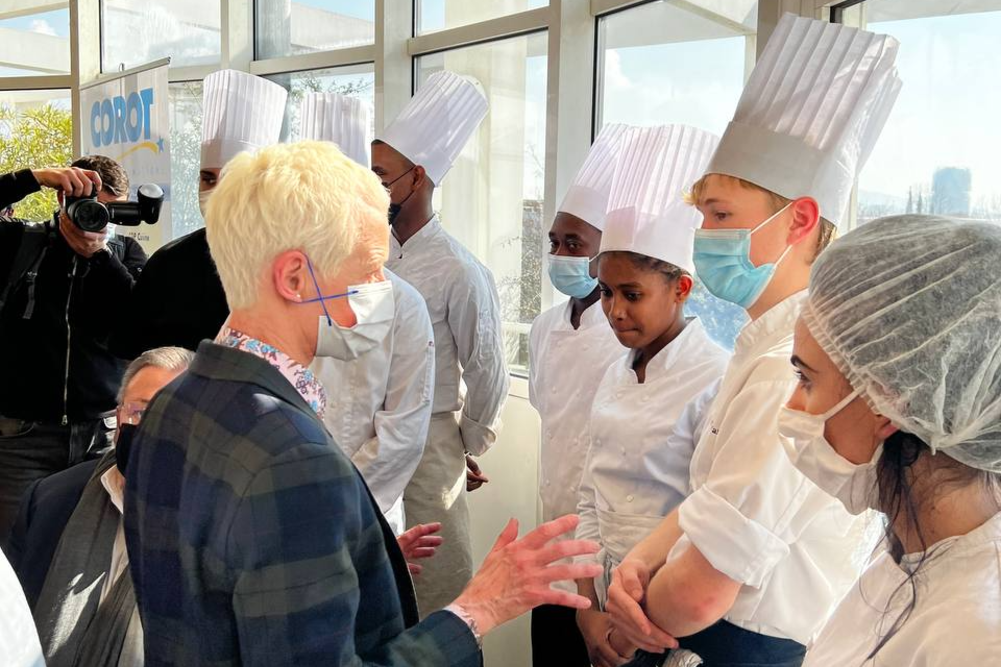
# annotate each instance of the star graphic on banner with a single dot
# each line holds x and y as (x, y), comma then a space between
(159, 144)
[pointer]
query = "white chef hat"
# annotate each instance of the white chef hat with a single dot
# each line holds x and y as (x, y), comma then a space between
(437, 122)
(240, 112)
(340, 119)
(647, 213)
(587, 197)
(811, 112)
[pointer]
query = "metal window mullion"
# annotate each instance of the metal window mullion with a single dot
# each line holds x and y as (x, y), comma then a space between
(319, 60)
(512, 25)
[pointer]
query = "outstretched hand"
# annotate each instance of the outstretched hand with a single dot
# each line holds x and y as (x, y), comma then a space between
(418, 543)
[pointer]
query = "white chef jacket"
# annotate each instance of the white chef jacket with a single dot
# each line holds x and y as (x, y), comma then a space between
(114, 483)
(19, 645)
(566, 367)
(755, 518)
(379, 405)
(633, 478)
(957, 620)
(465, 313)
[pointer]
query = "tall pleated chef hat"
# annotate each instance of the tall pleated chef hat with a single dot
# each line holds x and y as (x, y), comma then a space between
(811, 112)
(241, 112)
(437, 122)
(587, 197)
(340, 119)
(647, 212)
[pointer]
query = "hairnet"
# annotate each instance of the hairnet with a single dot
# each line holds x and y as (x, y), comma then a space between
(909, 309)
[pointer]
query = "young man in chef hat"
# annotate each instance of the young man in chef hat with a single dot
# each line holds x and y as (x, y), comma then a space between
(412, 156)
(570, 346)
(750, 566)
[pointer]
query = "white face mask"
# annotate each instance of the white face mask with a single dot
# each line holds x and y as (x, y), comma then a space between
(203, 200)
(374, 306)
(855, 485)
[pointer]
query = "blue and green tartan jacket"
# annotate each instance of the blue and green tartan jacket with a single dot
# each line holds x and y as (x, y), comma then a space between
(253, 540)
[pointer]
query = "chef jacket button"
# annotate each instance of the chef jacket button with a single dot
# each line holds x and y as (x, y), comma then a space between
(623, 451)
(597, 443)
(629, 498)
(645, 399)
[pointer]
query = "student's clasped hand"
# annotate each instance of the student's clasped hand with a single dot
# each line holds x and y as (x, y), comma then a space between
(625, 597)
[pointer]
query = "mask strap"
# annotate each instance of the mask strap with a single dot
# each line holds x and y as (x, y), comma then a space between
(842, 404)
(320, 297)
(772, 217)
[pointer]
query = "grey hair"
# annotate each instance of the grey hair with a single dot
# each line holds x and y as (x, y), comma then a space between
(169, 358)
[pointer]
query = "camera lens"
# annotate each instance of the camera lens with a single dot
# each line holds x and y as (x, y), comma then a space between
(88, 214)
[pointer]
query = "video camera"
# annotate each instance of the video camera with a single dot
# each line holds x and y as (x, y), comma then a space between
(91, 215)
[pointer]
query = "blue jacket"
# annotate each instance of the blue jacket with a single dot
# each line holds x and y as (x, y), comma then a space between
(253, 540)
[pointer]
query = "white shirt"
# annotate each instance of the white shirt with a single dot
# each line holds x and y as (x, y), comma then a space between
(465, 313)
(19, 645)
(755, 517)
(114, 483)
(379, 405)
(957, 619)
(633, 478)
(566, 367)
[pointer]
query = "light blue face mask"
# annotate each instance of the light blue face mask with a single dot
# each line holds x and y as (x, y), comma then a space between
(572, 275)
(723, 263)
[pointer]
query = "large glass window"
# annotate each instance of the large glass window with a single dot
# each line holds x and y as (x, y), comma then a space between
(355, 80)
(938, 151)
(35, 132)
(135, 32)
(679, 62)
(34, 44)
(185, 155)
(435, 15)
(285, 28)
(492, 198)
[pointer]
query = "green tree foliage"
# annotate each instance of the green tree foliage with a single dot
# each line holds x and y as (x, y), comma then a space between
(32, 139)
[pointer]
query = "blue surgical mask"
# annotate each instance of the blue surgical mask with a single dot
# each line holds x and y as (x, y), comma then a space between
(572, 275)
(723, 263)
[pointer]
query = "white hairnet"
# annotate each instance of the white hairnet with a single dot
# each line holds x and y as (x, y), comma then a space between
(909, 309)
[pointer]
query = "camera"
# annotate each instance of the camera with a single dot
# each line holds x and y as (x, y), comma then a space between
(91, 215)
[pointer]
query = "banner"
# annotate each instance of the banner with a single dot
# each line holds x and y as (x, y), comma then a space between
(126, 116)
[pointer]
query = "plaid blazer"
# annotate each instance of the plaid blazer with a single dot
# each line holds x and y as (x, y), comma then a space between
(253, 540)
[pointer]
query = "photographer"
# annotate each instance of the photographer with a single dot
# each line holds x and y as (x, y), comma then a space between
(59, 293)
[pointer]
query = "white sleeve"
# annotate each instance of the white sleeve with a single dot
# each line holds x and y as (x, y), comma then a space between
(475, 322)
(388, 461)
(587, 527)
(753, 504)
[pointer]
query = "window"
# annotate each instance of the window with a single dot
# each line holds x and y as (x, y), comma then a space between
(35, 131)
(679, 62)
(435, 15)
(356, 80)
(135, 32)
(492, 199)
(286, 28)
(927, 160)
(35, 44)
(185, 155)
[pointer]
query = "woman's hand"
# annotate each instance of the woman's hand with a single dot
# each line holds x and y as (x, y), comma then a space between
(625, 598)
(596, 628)
(517, 573)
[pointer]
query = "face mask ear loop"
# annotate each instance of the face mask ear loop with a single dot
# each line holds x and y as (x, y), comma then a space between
(842, 404)
(771, 217)
(320, 298)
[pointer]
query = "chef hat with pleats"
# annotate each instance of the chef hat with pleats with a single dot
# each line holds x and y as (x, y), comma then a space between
(587, 197)
(240, 112)
(811, 112)
(437, 122)
(647, 213)
(340, 119)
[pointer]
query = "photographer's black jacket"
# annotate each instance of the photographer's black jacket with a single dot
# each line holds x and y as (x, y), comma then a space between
(78, 303)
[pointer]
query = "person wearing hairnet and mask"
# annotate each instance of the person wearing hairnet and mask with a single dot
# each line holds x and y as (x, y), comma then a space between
(898, 408)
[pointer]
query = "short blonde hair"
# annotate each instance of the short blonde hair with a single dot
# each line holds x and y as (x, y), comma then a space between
(828, 230)
(305, 196)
